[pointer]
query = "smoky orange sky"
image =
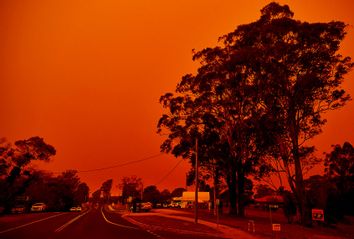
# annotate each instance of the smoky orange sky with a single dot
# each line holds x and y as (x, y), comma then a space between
(86, 75)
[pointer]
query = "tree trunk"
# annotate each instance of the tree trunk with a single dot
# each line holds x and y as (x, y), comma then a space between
(216, 190)
(300, 189)
(299, 181)
(240, 192)
(232, 191)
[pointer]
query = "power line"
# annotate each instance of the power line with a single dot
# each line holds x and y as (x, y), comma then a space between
(168, 174)
(117, 165)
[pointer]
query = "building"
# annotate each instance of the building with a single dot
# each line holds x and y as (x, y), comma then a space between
(188, 199)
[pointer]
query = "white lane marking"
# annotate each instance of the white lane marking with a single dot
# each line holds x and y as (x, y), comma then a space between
(119, 225)
(71, 221)
(30, 223)
(153, 233)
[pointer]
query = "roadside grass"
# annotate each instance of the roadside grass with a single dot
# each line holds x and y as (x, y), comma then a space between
(263, 227)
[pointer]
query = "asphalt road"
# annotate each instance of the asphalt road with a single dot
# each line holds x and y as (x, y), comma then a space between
(94, 223)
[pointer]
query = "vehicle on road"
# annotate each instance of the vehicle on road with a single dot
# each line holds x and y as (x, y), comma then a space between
(38, 207)
(75, 209)
(18, 209)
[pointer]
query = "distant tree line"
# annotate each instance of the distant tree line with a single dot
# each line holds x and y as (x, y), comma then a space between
(19, 180)
(132, 189)
(256, 100)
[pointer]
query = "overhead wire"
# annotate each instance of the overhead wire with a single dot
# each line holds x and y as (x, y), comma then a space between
(169, 173)
(117, 165)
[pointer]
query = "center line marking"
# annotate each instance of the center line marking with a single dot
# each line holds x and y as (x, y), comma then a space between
(71, 221)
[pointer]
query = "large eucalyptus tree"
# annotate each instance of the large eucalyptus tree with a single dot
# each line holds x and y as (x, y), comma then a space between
(265, 87)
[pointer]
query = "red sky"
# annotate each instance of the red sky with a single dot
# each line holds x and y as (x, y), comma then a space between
(86, 75)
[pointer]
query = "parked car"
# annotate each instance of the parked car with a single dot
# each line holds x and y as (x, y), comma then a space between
(18, 209)
(142, 207)
(75, 209)
(174, 205)
(146, 206)
(38, 207)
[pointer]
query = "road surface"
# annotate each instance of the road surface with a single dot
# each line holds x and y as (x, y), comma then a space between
(94, 223)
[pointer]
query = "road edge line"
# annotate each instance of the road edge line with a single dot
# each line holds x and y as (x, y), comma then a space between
(169, 229)
(116, 224)
(30, 223)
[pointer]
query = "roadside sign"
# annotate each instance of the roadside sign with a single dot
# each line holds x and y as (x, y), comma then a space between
(276, 227)
(317, 215)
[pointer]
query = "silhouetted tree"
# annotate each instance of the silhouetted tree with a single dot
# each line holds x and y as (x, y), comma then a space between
(81, 194)
(58, 192)
(340, 172)
(13, 159)
(340, 166)
(165, 196)
(96, 196)
(300, 74)
(106, 190)
(177, 192)
(14, 165)
(131, 187)
(151, 194)
(268, 84)
(62, 189)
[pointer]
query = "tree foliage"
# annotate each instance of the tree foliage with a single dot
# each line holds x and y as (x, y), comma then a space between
(340, 163)
(165, 196)
(178, 192)
(81, 195)
(339, 182)
(15, 166)
(131, 187)
(106, 189)
(13, 159)
(151, 194)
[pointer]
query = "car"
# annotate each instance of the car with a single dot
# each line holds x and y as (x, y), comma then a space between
(76, 209)
(18, 209)
(72, 209)
(142, 207)
(174, 205)
(145, 207)
(38, 207)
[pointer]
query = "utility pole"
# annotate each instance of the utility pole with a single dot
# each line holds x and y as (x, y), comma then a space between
(214, 178)
(196, 181)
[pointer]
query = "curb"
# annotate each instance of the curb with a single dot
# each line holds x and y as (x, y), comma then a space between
(170, 229)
